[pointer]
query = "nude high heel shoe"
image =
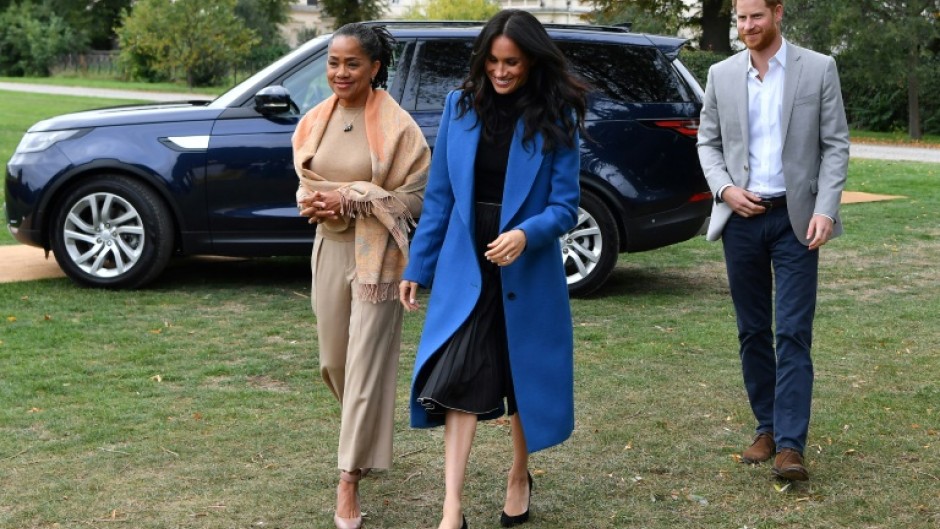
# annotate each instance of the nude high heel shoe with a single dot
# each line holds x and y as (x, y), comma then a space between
(349, 523)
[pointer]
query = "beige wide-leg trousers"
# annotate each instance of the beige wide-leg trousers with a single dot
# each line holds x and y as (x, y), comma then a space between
(360, 344)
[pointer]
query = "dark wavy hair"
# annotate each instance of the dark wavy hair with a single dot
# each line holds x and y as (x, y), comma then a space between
(552, 102)
(378, 44)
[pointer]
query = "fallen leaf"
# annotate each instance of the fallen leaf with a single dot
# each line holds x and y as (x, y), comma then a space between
(157, 378)
(11, 319)
(47, 317)
(782, 487)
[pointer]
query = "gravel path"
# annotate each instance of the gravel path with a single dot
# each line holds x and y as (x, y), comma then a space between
(102, 92)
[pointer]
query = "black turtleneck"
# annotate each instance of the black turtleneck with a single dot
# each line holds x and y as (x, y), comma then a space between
(493, 150)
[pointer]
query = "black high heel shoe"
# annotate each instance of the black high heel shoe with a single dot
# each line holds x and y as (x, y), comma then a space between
(464, 526)
(508, 521)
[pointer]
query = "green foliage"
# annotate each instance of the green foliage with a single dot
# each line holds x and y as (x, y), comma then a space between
(32, 37)
(888, 56)
(346, 11)
(264, 17)
(453, 10)
(306, 33)
(644, 16)
(96, 18)
(708, 20)
(698, 62)
(195, 40)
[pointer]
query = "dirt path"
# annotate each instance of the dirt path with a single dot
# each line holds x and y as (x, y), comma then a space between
(25, 263)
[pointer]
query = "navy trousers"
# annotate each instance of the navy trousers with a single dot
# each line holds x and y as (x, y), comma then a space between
(762, 251)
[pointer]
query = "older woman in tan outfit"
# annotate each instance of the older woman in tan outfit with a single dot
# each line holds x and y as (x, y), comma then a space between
(362, 163)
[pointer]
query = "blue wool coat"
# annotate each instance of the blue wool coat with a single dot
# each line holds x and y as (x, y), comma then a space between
(541, 197)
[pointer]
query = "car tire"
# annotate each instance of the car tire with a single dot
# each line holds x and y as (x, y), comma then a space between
(112, 232)
(589, 250)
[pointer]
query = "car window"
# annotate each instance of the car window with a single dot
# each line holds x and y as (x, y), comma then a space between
(308, 85)
(442, 67)
(627, 74)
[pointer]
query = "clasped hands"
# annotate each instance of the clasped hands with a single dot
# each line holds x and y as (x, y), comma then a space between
(503, 251)
(320, 206)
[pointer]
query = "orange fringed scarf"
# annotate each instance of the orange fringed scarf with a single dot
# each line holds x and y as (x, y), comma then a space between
(400, 161)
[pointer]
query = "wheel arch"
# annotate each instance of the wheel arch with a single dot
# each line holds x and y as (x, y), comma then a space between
(79, 174)
(606, 194)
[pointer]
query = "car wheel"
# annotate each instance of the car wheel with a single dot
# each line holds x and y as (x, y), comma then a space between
(113, 232)
(590, 249)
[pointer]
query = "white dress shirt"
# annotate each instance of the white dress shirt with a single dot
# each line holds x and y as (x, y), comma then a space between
(765, 143)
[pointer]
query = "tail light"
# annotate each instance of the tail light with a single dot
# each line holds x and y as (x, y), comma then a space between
(686, 127)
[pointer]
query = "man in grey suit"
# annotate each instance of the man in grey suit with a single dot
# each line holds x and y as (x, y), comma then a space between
(774, 145)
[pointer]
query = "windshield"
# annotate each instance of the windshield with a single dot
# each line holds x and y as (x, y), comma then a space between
(232, 95)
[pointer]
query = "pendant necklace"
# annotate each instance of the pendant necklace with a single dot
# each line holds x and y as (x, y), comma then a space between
(348, 123)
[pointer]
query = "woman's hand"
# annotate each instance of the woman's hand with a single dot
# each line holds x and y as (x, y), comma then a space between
(408, 295)
(506, 248)
(320, 206)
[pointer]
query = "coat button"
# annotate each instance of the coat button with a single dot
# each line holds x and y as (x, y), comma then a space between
(511, 296)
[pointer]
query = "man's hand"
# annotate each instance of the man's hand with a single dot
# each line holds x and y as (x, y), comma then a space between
(820, 230)
(742, 201)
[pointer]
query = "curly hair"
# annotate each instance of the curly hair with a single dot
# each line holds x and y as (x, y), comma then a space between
(378, 44)
(553, 102)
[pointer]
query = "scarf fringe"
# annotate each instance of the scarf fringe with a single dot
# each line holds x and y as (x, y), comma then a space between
(389, 205)
(378, 293)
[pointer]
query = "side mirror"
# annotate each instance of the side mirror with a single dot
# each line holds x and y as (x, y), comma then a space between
(273, 100)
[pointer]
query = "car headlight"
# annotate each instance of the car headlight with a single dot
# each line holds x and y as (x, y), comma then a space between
(40, 141)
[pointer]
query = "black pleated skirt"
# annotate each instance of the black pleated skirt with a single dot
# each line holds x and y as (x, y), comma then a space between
(470, 372)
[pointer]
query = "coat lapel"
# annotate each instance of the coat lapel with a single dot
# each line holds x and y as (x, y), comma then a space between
(461, 160)
(524, 163)
(791, 82)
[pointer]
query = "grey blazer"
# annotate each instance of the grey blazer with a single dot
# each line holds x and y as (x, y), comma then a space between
(815, 137)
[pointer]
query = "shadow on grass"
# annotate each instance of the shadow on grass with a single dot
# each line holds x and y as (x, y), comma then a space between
(228, 272)
(626, 281)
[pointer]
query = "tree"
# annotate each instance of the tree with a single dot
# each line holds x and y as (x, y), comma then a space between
(644, 16)
(96, 18)
(265, 17)
(711, 19)
(879, 67)
(196, 40)
(32, 37)
(453, 10)
(346, 11)
(715, 20)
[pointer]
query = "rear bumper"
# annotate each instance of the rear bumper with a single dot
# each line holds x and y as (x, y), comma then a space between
(669, 227)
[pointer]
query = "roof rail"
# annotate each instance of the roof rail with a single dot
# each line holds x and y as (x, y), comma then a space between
(624, 27)
(616, 28)
(426, 23)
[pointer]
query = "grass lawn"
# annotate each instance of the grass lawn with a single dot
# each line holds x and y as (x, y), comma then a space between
(197, 403)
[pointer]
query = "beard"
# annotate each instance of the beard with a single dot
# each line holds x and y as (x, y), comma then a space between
(761, 40)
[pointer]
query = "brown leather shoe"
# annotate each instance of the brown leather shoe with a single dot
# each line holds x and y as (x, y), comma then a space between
(760, 450)
(789, 465)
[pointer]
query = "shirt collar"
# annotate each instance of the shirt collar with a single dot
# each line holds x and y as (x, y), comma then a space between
(780, 58)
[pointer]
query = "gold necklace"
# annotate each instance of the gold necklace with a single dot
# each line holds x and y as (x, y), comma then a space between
(348, 123)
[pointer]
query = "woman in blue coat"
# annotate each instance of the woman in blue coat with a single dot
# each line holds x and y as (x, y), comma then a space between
(503, 187)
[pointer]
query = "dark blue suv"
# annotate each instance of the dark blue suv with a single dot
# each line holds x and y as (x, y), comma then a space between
(115, 193)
